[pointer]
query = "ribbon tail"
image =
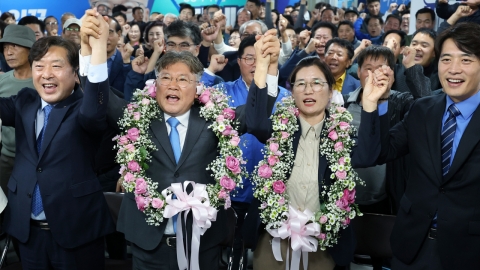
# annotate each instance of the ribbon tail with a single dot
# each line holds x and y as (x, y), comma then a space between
(186, 237)
(296, 259)
(287, 263)
(194, 259)
(181, 257)
(277, 252)
(305, 259)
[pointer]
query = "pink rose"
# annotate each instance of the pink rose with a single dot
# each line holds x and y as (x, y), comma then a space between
(338, 146)
(133, 134)
(233, 164)
(265, 188)
(273, 147)
(322, 236)
(284, 121)
(343, 125)
(130, 107)
(281, 201)
(128, 177)
(157, 203)
(323, 219)
(204, 97)
(264, 171)
(220, 118)
(209, 105)
(122, 169)
(341, 109)
(222, 194)
(140, 186)
(349, 195)
(285, 135)
(341, 161)
(146, 101)
(142, 202)
(333, 135)
(278, 187)
(272, 160)
(130, 148)
(227, 131)
(133, 166)
(123, 140)
(235, 140)
(229, 113)
(152, 91)
(346, 221)
(342, 203)
(341, 174)
(136, 116)
(227, 183)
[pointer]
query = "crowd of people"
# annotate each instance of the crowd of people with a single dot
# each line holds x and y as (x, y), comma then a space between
(413, 97)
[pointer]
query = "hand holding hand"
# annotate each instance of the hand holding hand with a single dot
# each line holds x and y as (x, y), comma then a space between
(99, 41)
(262, 63)
(217, 63)
(90, 27)
(271, 46)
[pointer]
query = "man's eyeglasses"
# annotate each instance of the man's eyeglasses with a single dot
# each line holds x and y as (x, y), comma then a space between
(68, 29)
(182, 81)
(316, 85)
(249, 60)
(182, 46)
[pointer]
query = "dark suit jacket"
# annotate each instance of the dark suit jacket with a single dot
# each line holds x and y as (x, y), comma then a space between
(364, 155)
(72, 196)
(199, 150)
(454, 197)
(118, 73)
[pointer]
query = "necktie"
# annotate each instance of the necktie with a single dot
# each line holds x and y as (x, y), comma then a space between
(177, 151)
(447, 136)
(37, 206)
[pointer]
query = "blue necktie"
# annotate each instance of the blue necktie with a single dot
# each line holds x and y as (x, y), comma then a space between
(177, 151)
(447, 136)
(37, 206)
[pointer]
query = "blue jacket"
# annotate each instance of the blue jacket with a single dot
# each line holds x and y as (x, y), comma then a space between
(118, 73)
(250, 146)
(350, 84)
(361, 35)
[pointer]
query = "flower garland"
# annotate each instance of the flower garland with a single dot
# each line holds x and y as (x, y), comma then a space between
(337, 201)
(135, 146)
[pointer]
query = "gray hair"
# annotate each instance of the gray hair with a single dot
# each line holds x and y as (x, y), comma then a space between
(263, 26)
(185, 57)
(170, 15)
(242, 10)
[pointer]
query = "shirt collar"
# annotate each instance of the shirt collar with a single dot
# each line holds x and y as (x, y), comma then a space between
(183, 119)
(342, 78)
(113, 56)
(306, 127)
(466, 107)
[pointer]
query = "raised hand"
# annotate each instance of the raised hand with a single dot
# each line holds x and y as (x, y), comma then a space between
(304, 37)
(126, 50)
(125, 29)
(464, 11)
(210, 33)
(140, 64)
(282, 24)
(140, 51)
(98, 45)
(219, 20)
(361, 7)
(401, 8)
(217, 63)
(408, 56)
(159, 45)
(271, 45)
(376, 87)
(312, 45)
(392, 7)
(90, 27)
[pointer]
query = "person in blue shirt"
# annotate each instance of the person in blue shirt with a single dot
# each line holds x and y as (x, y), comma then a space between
(374, 26)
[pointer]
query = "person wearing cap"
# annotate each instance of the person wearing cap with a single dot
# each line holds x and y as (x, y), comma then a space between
(351, 14)
(16, 44)
(71, 30)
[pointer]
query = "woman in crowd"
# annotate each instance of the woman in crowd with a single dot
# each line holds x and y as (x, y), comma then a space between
(8, 18)
(134, 36)
(234, 39)
(153, 32)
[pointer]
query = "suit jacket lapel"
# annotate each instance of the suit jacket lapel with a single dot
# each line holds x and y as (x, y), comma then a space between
(159, 131)
(195, 127)
(469, 139)
(434, 126)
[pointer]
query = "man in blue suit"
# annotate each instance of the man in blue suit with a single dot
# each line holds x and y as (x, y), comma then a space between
(56, 208)
(338, 57)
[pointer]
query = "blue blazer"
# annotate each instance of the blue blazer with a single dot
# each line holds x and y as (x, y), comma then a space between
(72, 196)
(118, 73)
(350, 84)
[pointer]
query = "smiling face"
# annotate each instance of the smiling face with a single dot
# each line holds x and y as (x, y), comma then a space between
(53, 76)
(337, 60)
(374, 27)
(134, 33)
(458, 71)
(424, 47)
(311, 104)
(324, 35)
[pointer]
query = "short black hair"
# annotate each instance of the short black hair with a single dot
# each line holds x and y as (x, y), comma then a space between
(395, 17)
(289, 6)
(183, 29)
(119, 8)
(329, 25)
(120, 14)
(186, 6)
(342, 43)
(375, 52)
(345, 22)
(289, 19)
(214, 6)
(313, 61)
(398, 32)
(256, 2)
(117, 25)
(328, 8)
(41, 47)
(246, 42)
(463, 34)
(426, 31)
(372, 1)
(320, 5)
(426, 10)
(149, 26)
(379, 18)
(32, 20)
(136, 8)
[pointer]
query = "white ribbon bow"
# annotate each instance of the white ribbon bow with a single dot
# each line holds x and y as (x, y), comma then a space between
(203, 215)
(301, 234)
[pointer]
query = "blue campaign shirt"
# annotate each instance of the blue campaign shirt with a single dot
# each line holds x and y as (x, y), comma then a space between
(251, 147)
(466, 108)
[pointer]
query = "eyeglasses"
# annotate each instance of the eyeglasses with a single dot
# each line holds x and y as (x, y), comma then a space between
(233, 37)
(51, 23)
(72, 29)
(182, 46)
(316, 85)
(182, 81)
(249, 60)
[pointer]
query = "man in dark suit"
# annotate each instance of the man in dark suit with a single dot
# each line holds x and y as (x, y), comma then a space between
(56, 208)
(437, 226)
(118, 62)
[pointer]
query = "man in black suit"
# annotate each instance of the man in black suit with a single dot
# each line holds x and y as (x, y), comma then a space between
(118, 62)
(56, 208)
(437, 225)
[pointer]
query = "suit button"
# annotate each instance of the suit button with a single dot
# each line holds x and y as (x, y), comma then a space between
(176, 175)
(39, 169)
(29, 195)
